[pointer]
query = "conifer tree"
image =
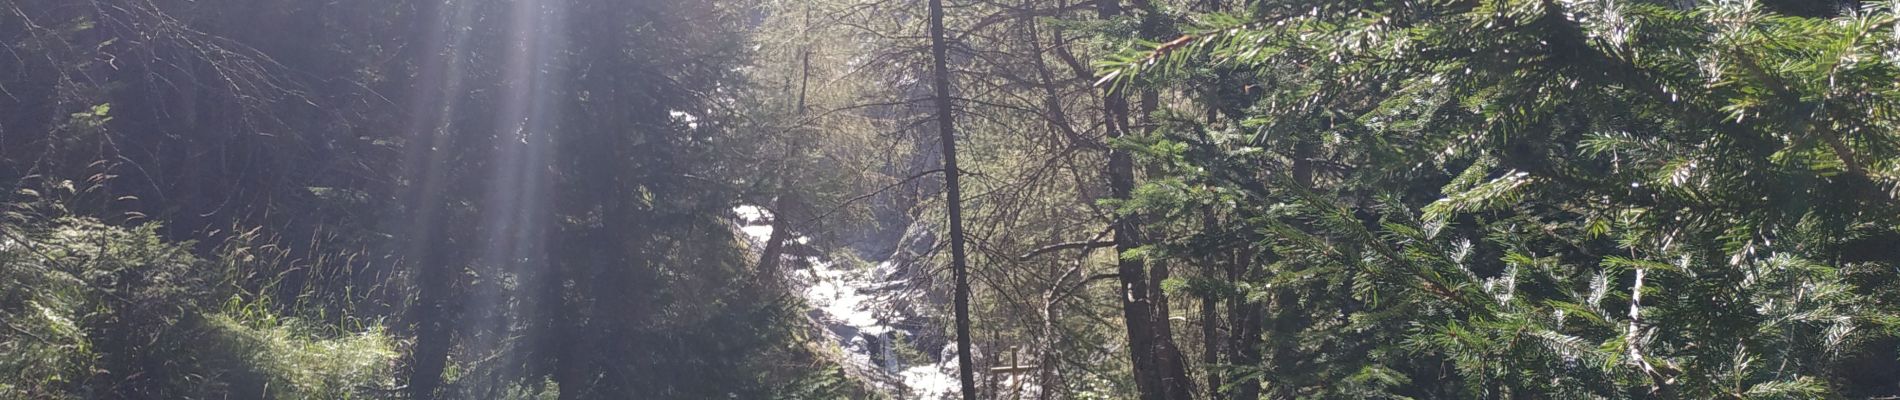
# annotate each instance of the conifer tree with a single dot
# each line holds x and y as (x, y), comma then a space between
(1547, 199)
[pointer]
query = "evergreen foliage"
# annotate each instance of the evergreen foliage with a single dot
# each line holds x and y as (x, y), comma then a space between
(98, 311)
(1543, 198)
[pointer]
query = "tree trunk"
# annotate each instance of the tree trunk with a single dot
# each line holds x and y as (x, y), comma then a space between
(431, 312)
(1174, 376)
(1210, 315)
(434, 326)
(1046, 358)
(773, 254)
(1175, 383)
(1289, 316)
(946, 129)
(1137, 308)
(1243, 347)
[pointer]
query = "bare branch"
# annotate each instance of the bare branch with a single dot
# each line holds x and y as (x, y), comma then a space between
(847, 202)
(1085, 245)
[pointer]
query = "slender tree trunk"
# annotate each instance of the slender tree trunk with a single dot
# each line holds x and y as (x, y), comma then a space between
(1210, 343)
(434, 324)
(1137, 308)
(1049, 364)
(773, 254)
(1243, 346)
(992, 382)
(1210, 315)
(1053, 111)
(804, 61)
(1217, 264)
(1287, 319)
(1289, 316)
(1174, 377)
(946, 129)
(431, 312)
(1175, 383)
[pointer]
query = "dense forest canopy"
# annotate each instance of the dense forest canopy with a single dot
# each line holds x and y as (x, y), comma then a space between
(931, 199)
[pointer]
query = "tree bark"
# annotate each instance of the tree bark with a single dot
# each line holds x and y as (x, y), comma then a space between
(773, 254)
(1210, 314)
(434, 274)
(946, 129)
(1050, 365)
(434, 325)
(1137, 307)
(1171, 365)
(1288, 315)
(1243, 346)
(1174, 376)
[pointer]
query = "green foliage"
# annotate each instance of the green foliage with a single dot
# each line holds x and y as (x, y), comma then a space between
(286, 360)
(94, 310)
(1373, 199)
(1550, 199)
(78, 296)
(482, 176)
